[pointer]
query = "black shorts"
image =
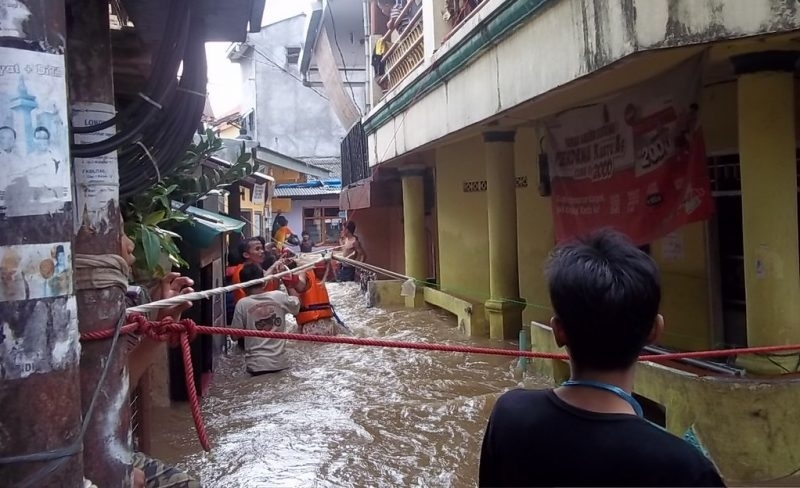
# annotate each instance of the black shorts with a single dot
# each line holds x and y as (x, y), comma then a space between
(347, 273)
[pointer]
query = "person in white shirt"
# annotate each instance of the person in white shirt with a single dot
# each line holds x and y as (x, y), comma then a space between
(261, 310)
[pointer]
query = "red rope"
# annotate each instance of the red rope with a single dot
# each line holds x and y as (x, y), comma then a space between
(183, 332)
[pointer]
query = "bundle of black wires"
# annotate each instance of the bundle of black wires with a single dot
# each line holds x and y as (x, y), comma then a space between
(154, 131)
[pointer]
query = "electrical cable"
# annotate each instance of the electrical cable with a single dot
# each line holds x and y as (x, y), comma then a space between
(159, 76)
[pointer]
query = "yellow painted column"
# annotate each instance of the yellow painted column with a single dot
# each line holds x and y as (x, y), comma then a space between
(416, 249)
(767, 145)
(504, 307)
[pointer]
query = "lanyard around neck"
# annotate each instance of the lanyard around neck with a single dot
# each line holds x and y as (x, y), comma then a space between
(611, 389)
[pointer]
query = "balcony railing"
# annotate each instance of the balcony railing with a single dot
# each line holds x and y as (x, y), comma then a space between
(407, 51)
(405, 38)
(460, 11)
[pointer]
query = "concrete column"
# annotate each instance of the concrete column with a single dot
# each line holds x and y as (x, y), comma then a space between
(769, 198)
(504, 308)
(434, 27)
(106, 448)
(416, 249)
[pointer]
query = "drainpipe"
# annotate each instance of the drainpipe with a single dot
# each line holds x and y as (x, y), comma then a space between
(367, 57)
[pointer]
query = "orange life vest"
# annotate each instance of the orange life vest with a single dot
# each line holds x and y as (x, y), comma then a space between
(314, 302)
(271, 285)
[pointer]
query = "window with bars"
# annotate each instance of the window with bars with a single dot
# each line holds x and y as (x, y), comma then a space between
(323, 224)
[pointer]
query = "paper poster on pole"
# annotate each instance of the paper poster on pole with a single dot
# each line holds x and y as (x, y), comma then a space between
(34, 138)
(96, 178)
(635, 162)
(34, 271)
(42, 339)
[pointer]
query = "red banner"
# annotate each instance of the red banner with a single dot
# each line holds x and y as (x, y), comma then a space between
(635, 162)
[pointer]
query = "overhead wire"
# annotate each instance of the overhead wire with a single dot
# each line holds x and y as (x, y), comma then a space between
(271, 62)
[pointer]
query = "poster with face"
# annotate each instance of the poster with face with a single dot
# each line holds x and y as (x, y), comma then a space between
(34, 137)
(35, 271)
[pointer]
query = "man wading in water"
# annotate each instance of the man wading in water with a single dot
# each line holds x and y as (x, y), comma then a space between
(591, 432)
(352, 249)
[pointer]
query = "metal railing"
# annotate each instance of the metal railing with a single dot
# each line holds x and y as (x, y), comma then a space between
(460, 11)
(407, 51)
(355, 161)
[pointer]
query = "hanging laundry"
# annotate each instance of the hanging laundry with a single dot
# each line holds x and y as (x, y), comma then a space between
(378, 63)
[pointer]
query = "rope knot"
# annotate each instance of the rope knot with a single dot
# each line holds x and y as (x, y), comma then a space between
(190, 328)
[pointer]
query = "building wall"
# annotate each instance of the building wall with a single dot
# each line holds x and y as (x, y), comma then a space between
(535, 232)
(572, 39)
(462, 220)
(247, 205)
(291, 118)
(686, 281)
(381, 232)
(295, 215)
(247, 65)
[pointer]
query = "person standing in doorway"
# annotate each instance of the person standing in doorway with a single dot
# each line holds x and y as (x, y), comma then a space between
(605, 294)
(351, 249)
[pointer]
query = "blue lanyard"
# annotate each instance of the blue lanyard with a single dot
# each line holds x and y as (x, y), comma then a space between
(611, 389)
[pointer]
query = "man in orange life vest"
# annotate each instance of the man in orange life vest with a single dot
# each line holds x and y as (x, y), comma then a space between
(316, 315)
(252, 252)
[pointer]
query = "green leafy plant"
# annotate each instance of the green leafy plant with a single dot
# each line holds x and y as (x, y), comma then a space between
(152, 217)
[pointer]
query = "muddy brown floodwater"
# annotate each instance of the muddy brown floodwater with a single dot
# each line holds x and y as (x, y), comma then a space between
(346, 415)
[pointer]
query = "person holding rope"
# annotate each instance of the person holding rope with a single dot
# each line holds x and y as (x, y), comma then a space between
(316, 315)
(351, 249)
(149, 472)
(605, 294)
(263, 310)
(253, 252)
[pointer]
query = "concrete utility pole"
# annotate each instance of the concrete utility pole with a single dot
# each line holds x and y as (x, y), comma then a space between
(107, 441)
(40, 405)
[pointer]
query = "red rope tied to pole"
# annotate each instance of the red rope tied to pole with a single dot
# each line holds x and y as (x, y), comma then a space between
(181, 334)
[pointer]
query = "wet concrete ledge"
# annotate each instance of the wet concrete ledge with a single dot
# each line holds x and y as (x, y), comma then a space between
(470, 314)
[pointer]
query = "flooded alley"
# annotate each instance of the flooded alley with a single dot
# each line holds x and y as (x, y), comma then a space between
(346, 415)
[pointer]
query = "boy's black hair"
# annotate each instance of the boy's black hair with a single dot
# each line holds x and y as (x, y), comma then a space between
(605, 293)
(351, 226)
(244, 246)
(251, 272)
(305, 233)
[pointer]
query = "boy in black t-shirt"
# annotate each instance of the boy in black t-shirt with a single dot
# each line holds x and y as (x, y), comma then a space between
(590, 432)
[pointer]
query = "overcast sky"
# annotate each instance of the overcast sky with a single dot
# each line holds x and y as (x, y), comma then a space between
(224, 80)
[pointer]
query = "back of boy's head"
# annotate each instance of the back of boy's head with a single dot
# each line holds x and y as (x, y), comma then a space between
(605, 294)
(251, 272)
